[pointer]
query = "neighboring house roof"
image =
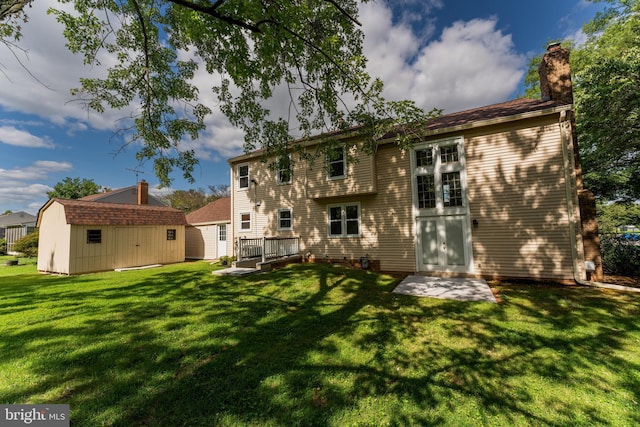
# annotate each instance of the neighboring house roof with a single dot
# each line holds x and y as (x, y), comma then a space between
(120, 195)
(82, 212)
(490, 114)
(16, 218)
(216, 211)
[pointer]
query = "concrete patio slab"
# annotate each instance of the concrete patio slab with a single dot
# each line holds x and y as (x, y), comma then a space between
(450, 288)
(234, 271)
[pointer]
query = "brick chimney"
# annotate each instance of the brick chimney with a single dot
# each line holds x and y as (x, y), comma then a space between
(555, 75)
(143, 193)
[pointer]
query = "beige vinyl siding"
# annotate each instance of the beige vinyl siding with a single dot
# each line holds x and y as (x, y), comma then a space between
(201, 242)
(517, 194)
(54, 240)
(360, 178)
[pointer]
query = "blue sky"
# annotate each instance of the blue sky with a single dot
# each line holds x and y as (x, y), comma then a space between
(450, 54)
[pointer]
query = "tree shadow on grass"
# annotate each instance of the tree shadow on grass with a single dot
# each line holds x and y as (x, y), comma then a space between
(320, 345)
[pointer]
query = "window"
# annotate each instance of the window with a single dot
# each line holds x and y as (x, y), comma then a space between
(451, 189)
(438, 176)
(426, 192)
(285, 219)
(222, 233)
(424, 157)
(245, 221)
(171, 234)
(243, 176)
(336, 163)
(94, 236)
(284, 170)
(344, 220)
(449, 153)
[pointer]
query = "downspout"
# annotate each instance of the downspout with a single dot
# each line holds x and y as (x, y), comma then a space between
(577, 248)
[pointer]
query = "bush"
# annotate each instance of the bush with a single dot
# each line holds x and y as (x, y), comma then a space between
(620, 256)
(226, 261)
(28, 245)
(3, 246)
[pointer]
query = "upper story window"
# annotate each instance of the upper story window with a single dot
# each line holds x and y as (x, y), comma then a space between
(285, 219)
(284, 171)
(336, 163)
(344, 220)
(424, 157)
(171, 234)
(449, 153)
(243, 176)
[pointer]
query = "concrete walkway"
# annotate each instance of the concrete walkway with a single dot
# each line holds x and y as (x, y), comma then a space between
(234, 271)
(455, 289)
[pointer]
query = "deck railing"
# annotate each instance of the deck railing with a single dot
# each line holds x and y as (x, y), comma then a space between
(268, 247)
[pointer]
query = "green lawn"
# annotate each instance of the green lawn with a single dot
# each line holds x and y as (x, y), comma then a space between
(313, 345)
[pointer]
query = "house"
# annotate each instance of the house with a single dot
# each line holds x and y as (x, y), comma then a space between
(129, 195)
(492, 192)
(80, 236)
(207, 231)
(14, 226)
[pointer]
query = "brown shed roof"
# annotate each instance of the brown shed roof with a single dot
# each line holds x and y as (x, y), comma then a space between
(216, 211)
(82, 212)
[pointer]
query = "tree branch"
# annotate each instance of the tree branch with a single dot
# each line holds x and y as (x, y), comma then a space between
(212, 11)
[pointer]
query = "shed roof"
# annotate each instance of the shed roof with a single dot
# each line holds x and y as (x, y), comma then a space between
(216, 211)
(82, 212)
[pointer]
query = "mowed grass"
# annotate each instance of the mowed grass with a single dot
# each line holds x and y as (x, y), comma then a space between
(313, 345)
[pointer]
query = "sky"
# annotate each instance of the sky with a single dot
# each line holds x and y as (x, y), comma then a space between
(449, 54)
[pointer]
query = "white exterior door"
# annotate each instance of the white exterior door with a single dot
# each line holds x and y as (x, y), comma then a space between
(222, 240)
(443, 228)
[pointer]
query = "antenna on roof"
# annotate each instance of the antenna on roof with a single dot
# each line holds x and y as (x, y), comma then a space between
(136, 171)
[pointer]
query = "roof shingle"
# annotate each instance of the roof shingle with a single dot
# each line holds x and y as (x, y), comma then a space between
(216, 211)
(82, 212)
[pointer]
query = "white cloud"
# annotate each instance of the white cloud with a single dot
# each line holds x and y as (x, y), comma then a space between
(38, 78)
(39, 170)
(20, 138)
(471, 63)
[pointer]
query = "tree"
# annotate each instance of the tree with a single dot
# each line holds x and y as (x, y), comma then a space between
(218, 191)
(73, 188)
(187, 200)
(308, 50)
(606, 76)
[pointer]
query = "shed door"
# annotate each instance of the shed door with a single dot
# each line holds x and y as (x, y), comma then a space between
(135, 246)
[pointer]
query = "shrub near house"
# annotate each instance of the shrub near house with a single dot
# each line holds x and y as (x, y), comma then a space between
(28, 245)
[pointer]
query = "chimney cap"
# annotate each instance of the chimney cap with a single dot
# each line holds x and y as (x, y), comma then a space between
(554, 46)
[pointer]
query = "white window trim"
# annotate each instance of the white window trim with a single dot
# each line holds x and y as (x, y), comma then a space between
(459, 166)
(245, 230)
(344, 165)
(343, 207)
(238, 166)
(290, 219)
(278, 169)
